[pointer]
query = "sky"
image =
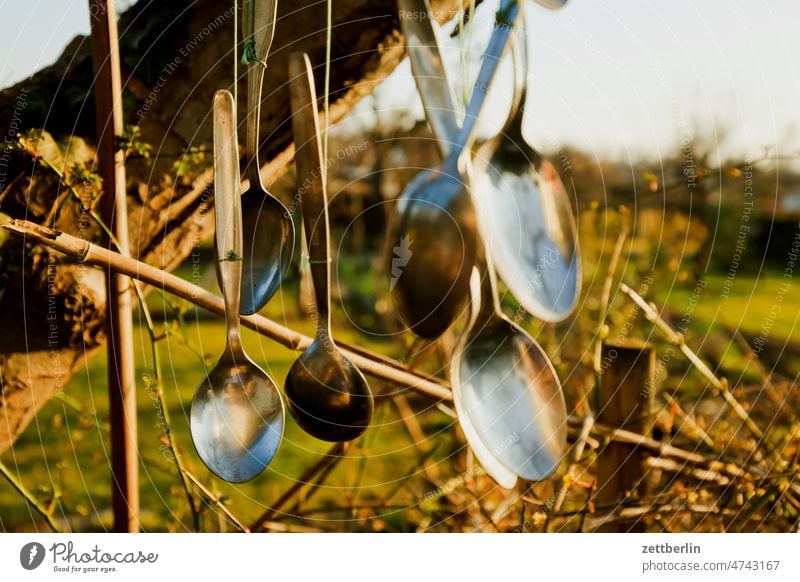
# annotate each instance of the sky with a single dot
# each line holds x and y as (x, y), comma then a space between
(625, 78)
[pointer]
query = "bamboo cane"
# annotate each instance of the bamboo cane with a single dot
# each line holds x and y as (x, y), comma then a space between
(119, 319)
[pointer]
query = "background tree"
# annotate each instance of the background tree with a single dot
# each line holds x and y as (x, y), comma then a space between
(174, 55)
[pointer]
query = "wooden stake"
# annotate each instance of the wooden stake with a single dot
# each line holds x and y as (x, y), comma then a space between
(624, 398)
(119, 320)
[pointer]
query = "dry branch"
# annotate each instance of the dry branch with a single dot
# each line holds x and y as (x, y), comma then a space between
(91, 254)
(679, 340)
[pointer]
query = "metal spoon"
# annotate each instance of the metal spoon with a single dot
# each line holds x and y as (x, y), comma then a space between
(237, 413)
(435, 223)
(525, 215)
(430, 75)
(507, 390)
(268, 226)
(327, 395)
(435, 90)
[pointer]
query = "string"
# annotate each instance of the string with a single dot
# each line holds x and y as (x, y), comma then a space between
(327, 84)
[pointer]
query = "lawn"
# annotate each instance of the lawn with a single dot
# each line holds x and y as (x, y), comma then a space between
(63, 457)
(749, 302)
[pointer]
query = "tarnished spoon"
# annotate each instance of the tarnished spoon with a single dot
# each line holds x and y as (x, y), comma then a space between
(525, 214)
(327, 395)
(268, 226)
(435, 220)
(507, 390)
(237, 413)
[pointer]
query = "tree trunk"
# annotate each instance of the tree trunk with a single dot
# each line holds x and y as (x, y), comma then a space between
(175, 55)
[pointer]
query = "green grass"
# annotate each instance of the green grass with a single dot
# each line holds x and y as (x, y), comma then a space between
(64, 454)
(745, 302)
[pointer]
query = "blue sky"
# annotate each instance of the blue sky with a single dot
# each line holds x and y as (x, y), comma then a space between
(620, 77)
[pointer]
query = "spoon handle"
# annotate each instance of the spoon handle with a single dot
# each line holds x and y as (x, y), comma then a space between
(311, 177)
(259, 29)
(504, 24)
(228, 211)
(519, 57)
(430, 74)
(489, 297)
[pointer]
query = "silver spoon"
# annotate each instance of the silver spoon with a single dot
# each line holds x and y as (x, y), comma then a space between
(435, 90)
(268, 226)
(435, 219)
(327, 395)
(237, 413)
(430, 75)
(506, 389)
(525, 214)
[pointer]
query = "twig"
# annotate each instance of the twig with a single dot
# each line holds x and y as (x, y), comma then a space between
(86, 252)
(694, 472)
(664, 450)
(686, 420)
(577, 454)
(218, 502)
(183, 471)
(317, 483)
(288, 527)
(587, 506)
(605, 296)
(333, 453)
(629, 513)
(28, 496)
(679, 340)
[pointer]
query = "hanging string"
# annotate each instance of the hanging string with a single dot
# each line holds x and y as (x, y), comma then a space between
(249, 50)
(327, 84)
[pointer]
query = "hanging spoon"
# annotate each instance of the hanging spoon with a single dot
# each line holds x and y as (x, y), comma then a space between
(268, 226)
(237, 413)
(435, 220)
(327, 395)
(525, 213)
(506, 390)
(430, 76)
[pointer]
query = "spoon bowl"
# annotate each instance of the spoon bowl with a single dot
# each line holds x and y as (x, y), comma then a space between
(509, 395)
(267, 247)
(327, 395)
(237, 420)
(435, 227)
